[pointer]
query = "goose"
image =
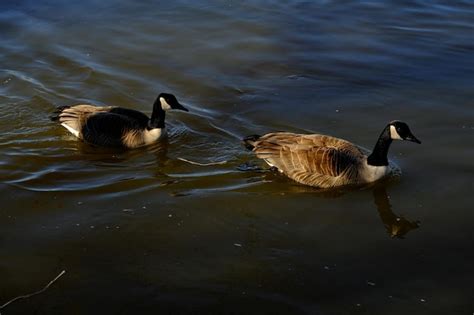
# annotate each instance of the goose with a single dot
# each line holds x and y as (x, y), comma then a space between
(323, 161)
(112, 126)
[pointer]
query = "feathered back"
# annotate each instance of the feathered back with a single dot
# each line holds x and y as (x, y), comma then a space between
(76, 116)
(315, 160)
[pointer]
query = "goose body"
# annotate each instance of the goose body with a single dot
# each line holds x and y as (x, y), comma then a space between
(324, 161)
(117, 126)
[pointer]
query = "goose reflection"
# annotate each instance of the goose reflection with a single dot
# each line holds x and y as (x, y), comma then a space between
(113, 155)
(396, 225)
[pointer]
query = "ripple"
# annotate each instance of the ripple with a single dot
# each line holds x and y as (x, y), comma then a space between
(343, 68)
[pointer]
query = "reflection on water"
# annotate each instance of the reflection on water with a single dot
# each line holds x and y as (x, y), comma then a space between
(396, 226)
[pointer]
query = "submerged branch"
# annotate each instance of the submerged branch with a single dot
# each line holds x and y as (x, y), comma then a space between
(34, 293)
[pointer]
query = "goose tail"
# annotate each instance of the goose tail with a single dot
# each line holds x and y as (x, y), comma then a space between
(57, 112)
(249, 141)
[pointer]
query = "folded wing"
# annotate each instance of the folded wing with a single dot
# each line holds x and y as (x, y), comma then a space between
(315, 160)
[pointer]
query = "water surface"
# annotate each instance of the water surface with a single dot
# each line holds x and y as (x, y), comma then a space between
(143, 231)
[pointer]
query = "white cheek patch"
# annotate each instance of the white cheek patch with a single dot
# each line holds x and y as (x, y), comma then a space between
(164, 104)
(394, 134)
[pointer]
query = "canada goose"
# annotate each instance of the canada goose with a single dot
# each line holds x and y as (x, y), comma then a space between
(117, 126)
(324, 161)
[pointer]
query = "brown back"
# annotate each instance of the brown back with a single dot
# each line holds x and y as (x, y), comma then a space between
(315, 160)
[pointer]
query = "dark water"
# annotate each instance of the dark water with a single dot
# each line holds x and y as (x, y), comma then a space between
(145, 232)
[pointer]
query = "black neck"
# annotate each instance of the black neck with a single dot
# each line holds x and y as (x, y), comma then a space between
(158, 116)
(380, 152)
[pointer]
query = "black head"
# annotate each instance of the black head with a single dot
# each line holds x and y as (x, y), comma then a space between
(169, 101)
(400, 131)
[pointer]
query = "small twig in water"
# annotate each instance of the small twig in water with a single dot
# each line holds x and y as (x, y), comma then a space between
(202, 164)
(34, 293)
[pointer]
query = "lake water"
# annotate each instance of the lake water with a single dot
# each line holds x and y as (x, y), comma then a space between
(145, 232)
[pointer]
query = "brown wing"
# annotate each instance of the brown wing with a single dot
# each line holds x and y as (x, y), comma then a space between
(315, 160)
(76, 116)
